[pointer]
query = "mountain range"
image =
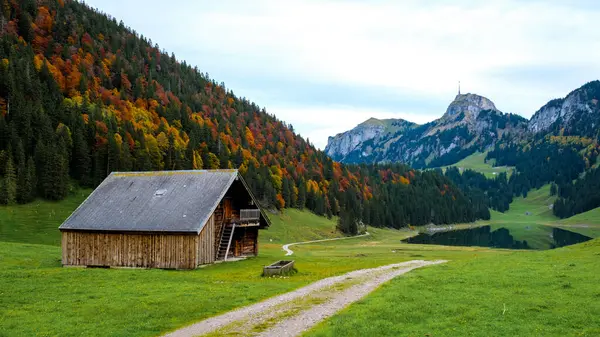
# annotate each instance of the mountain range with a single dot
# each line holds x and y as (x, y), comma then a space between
(471, 123)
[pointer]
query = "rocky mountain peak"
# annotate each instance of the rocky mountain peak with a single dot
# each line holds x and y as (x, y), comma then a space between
(578, 111)
(471, 123)
(339, 146)
(469, 104)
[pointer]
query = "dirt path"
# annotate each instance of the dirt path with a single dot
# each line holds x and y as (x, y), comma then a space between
(292, 313)
(289, 252)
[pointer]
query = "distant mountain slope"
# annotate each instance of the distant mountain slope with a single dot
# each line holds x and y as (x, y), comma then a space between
(342, 146)
(578, 114)
(471, 123)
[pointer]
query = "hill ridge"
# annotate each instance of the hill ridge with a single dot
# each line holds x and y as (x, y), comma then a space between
(472, 123)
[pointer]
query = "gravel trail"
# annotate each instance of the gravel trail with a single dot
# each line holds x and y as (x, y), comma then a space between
(289, 252)
(330, 295)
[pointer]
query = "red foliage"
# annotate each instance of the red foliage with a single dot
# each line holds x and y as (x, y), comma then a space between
(101, 127)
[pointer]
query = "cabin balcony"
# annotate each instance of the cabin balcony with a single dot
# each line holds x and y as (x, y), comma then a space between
(246, 218)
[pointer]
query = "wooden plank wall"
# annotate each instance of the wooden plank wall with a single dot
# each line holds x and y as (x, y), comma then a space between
(250, 241)
(206, 247)
(172, 251)
(245, 241)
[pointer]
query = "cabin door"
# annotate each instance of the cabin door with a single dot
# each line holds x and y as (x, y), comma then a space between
(227, 208)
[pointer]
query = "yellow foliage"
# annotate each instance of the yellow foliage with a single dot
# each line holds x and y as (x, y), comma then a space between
(280, 147)
(249, 137)
(142, 119)
(38, 61)
(567, 140)
(118, 139)
(163, 141)
(312, 185)
(243, 168)
(276, 170)
(197, 161)
(277, 182)
(154, 151)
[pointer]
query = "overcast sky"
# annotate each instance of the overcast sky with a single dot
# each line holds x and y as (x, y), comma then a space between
(325, 66)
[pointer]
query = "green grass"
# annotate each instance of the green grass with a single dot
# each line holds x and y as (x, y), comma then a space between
(527, 218)
(39, 297)
(587, 223)
(521, 293)
(537, 204)
(476, 162)
(294, 225)
(38, 221)
(536, 227)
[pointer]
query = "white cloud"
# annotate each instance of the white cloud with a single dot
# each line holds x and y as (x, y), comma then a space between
(403, 47)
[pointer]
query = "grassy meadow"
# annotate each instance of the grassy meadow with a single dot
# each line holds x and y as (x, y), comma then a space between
(531, 219)
(544, 291)
(295, 226)
(38, 221)
(587, 223)
(524, 293)
(527, 218)
(476, 162)
(40, 297)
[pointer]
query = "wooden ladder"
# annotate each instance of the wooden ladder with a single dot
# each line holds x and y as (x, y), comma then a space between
(225, 243)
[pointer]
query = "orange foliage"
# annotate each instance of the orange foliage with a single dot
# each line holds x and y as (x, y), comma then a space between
(280, 201)
(249, 137)
(125, 83)
(44, 20)
(404, 180)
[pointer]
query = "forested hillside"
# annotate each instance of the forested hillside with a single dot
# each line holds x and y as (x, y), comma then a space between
(564, 161)
(82, 95)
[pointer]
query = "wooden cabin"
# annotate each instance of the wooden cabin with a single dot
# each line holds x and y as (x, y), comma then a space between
(168, 219)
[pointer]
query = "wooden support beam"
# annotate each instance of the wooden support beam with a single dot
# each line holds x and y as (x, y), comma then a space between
(229, 244)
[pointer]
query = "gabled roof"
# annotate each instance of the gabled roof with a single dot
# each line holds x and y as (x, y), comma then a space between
(164, 201)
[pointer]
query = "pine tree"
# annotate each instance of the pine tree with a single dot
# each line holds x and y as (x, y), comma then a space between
(59, 169)
(301, 203)
(53, 170)
(553, 189)
(286, 191)
(8, 193)
(26, 182)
